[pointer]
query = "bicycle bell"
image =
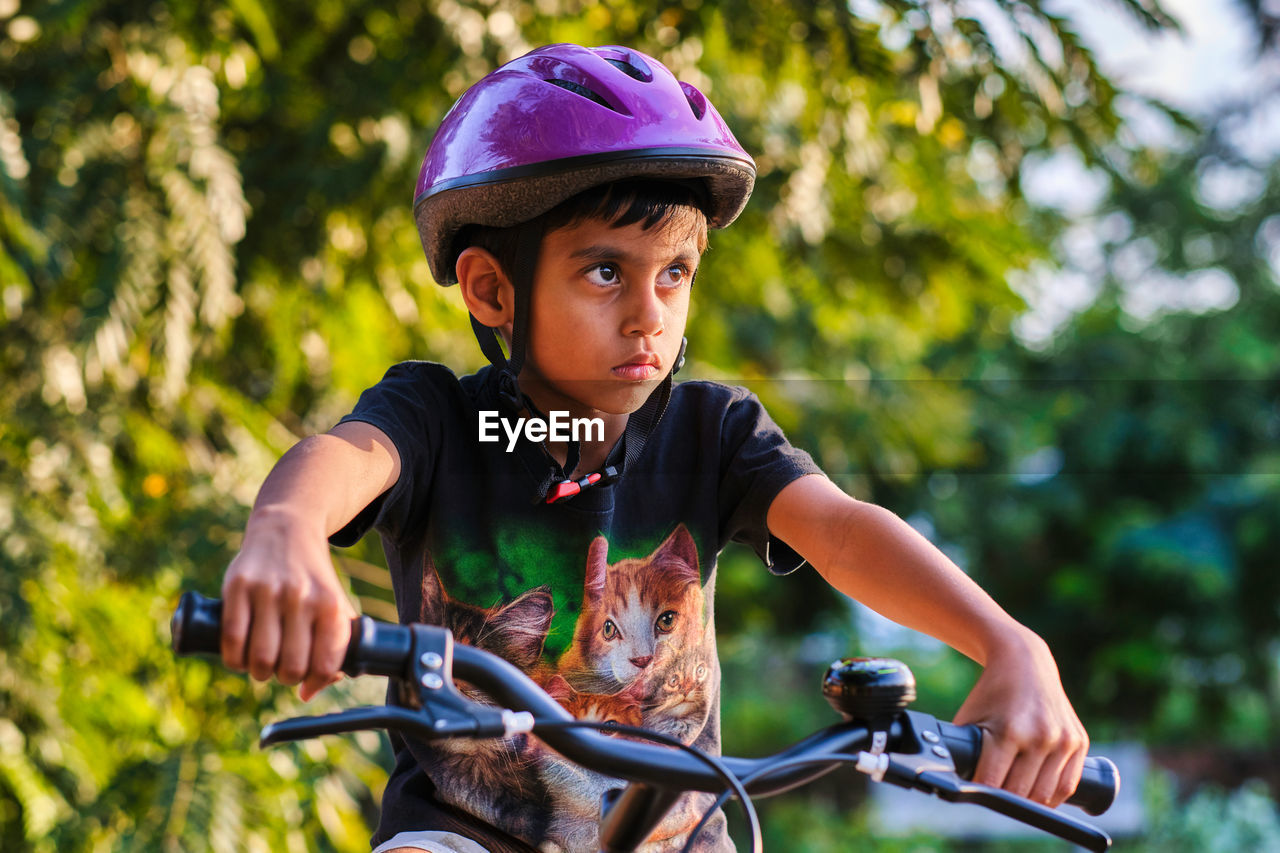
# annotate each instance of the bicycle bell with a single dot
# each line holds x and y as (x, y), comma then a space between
(867, 690)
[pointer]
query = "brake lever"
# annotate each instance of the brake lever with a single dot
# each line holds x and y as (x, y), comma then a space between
(429, 703)
(924, 763)
(952, 788)
(351, 720)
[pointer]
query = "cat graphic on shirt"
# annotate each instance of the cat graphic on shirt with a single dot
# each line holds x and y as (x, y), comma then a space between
(633, 611)
(494, 779)
(640, 638)
(617, 709)
(576, 792)
(678, 702)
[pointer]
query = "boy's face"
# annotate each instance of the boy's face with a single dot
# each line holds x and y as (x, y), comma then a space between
(608, 312)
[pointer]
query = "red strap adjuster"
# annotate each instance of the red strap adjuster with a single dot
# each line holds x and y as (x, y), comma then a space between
(569, 488)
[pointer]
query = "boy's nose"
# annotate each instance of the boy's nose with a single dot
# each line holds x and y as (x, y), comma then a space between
(645, 314)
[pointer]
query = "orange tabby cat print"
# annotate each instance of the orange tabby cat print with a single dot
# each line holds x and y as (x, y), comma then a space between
(631, 612)
(611, 709)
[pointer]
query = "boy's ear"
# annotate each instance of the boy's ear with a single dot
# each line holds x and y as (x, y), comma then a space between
(485, 288)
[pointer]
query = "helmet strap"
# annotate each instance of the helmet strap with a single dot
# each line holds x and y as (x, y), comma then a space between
(525, 264)
(643, 421)
(528, 249)
(490, 343)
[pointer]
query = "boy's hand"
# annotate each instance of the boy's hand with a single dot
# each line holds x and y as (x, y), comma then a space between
(284, 613)
(1034, 745)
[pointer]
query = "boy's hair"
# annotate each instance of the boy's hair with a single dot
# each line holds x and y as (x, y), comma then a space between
(647, 203)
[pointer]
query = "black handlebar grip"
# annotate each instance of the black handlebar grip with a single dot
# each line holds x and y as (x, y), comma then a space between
(196, 627)
(1099, 778)
(376, 648)
(1099, 785)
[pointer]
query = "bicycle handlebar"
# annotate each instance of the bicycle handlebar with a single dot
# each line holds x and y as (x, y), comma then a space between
(932, 751)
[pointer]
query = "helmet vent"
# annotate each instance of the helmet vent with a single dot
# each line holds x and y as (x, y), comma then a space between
(630, 70)
(579, 89)
(697, 101)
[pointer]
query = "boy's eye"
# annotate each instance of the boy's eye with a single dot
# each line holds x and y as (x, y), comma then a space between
(677, 275)
(603, 275)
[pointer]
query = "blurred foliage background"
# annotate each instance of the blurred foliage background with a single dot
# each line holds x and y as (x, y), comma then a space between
(207, 251)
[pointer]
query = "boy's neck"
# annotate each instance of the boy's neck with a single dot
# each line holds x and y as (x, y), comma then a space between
(591, 454)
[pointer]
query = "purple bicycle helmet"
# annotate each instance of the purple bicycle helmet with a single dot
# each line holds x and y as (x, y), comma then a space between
(562, 119)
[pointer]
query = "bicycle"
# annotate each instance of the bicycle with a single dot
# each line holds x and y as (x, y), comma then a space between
(880, 737)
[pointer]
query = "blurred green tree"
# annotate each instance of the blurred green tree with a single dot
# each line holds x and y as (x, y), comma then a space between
(1126, 500)
(206, 250)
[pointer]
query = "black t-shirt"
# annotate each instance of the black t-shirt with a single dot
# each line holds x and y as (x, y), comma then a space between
(605, 599)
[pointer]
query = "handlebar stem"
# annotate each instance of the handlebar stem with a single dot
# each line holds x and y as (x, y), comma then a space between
(629, 815)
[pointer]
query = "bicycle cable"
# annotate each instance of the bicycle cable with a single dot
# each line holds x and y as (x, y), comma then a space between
(735, 787)
(751, 777)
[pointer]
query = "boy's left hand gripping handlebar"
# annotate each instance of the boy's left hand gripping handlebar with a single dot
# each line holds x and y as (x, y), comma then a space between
(376, 648)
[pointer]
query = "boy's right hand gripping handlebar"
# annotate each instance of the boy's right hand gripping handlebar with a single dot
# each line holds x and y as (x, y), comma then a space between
(379, 648)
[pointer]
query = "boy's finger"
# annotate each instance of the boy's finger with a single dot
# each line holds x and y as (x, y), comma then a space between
(264, 637)
(235, 626)
(313, 685)
(1070, 778)
(994, 762)
(1023, 773)
(1048, 782)
(295, 646)
(331, 634)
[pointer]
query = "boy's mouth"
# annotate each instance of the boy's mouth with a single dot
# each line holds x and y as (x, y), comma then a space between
(638, 368)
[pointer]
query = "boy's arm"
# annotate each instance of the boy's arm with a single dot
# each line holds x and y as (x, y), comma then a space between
(284, 611)
(1035, 745)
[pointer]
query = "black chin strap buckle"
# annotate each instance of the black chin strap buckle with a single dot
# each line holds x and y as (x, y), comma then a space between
(684, 345)
(568, 488)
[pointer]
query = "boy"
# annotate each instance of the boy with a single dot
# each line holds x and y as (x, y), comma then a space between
(564, 507)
